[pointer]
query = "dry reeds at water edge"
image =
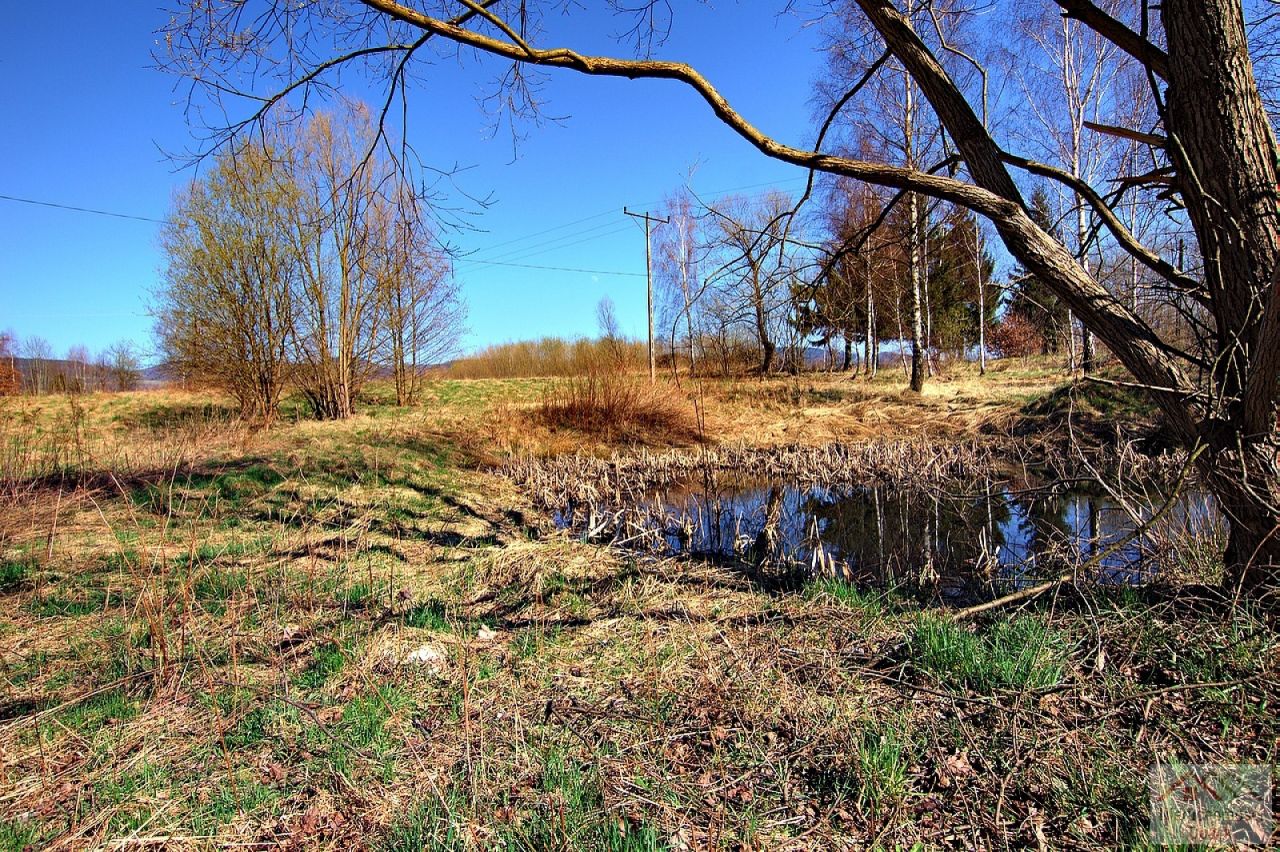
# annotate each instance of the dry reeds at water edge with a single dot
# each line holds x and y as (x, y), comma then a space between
(612, 498)
(582, 478)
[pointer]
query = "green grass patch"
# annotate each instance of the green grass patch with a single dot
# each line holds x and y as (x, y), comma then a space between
(571, 815)
(226, 802)
(94, 712)
(364, 719)
(872, 602)
(429, 615)
(58, 604)
(15, 572)
(216, 586)
(427, 827)
(326, 661)
(1020, 653)
(883, 758)
(249, 730)
(17, 835)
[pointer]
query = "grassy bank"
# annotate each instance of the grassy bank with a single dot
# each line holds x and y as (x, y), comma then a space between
(355, 635)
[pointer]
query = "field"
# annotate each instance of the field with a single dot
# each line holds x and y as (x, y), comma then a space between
(361, 634)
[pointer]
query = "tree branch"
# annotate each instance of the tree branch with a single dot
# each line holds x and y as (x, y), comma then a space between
(1114, 31)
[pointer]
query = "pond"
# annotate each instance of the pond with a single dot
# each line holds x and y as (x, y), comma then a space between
(955, 535)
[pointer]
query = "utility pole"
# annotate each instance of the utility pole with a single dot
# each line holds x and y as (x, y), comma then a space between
(648, 277)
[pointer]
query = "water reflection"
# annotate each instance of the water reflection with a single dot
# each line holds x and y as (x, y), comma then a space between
(1015, 532)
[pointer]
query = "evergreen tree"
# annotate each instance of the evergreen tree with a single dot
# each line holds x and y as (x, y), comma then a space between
(1031, 298)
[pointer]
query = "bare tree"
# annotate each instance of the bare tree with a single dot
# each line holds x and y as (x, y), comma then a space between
(1070, 82)
(422, 310)
(610, 332)
(124, 365)
(749, 243)
(676, 252)
(38, 371)
(335, 229)
(225, 310)
(1214, 141)
(78, 359)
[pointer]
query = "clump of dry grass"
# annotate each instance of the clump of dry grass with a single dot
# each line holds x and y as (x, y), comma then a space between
(614, 404)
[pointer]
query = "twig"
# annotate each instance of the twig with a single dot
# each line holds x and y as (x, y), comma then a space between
(1092, 562)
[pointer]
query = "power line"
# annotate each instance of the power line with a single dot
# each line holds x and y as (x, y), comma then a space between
(75, 209)
(613, 211)
(551, 268)
(522, 252)
(113, 214)
(514, 240)
(540, 251)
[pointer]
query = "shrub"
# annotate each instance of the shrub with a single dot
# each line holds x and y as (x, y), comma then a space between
(612, 403)
(1015, 336)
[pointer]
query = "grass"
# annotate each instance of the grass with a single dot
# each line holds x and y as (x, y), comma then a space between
(14, 572)
(429, 615)
(1021, 653)
(222, 646)
(884, 761)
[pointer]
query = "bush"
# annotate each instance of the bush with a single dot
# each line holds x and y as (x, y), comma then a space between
(612, 403)
(1015, 336)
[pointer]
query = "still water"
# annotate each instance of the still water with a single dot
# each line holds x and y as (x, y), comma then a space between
(879, 534)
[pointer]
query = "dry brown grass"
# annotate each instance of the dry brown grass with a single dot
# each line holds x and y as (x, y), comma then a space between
(616, 405)
(219, 654)
(549, 356)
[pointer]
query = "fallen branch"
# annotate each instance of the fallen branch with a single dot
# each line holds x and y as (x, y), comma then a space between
(1094, 561)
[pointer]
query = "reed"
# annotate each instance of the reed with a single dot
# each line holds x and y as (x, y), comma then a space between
(626, 476)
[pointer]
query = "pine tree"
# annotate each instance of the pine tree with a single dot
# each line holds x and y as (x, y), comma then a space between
(1031, 298)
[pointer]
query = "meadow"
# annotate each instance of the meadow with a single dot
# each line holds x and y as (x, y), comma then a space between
(363, 634)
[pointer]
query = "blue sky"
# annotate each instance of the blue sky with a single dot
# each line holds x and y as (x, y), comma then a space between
(87, 122)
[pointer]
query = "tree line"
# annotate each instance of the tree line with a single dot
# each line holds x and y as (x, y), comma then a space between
(29, 366)
(742, 284)
(303, 260)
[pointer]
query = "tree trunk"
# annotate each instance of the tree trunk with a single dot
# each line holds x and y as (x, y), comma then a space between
(917, 317)
(873, 348)
(766, 362)
(1246, 482)
(1088, 354)
(1225, 140)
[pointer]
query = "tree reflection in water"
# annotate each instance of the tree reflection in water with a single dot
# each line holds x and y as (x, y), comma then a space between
(1009, 532)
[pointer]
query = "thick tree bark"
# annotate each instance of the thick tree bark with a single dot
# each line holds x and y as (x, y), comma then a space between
(1221, 142)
